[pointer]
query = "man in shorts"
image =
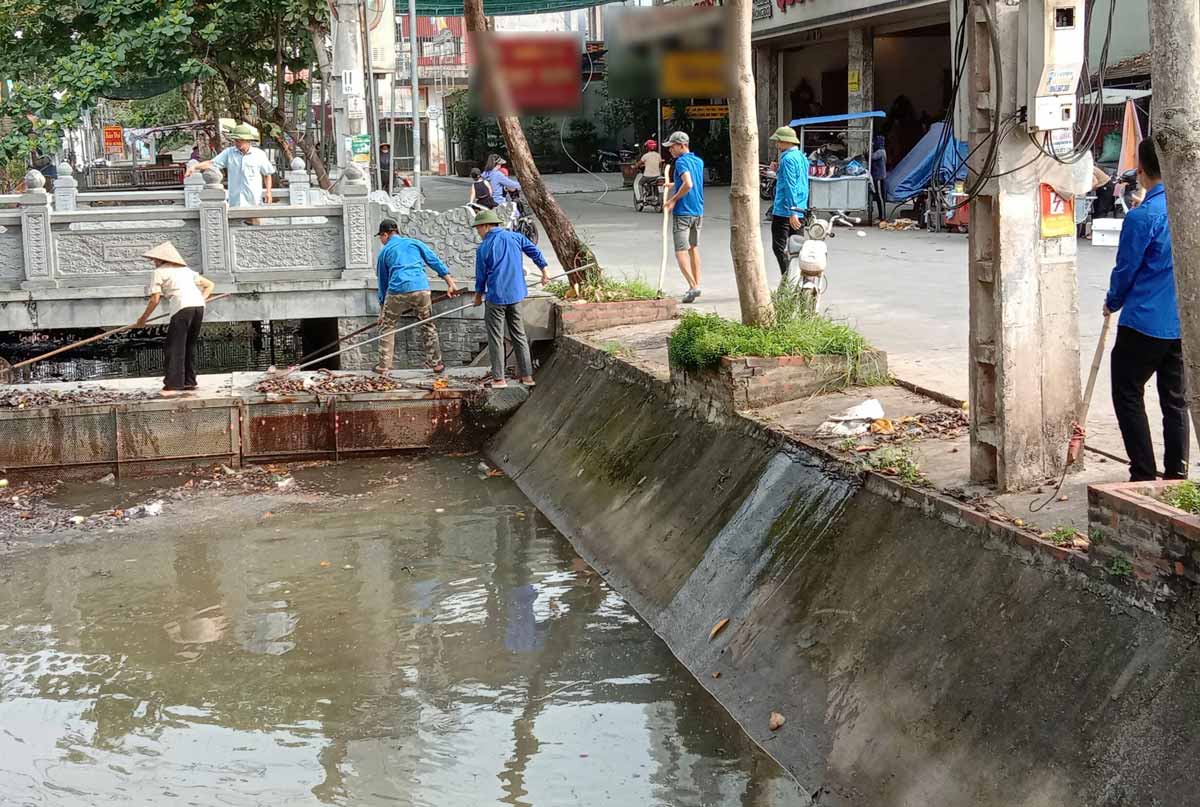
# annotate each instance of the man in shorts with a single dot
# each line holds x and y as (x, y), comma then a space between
(687, 206)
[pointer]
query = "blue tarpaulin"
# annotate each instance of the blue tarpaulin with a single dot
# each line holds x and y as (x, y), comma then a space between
(912, 174)
(798, 122)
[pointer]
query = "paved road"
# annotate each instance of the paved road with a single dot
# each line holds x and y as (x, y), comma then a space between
(906, 291)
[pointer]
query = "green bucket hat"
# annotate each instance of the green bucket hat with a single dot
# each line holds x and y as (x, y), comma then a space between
(786, 134)
(244, 131)
(485, 217)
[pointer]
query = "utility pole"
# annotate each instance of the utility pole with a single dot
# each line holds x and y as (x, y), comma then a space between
(1175, 43)
(1024, 334)
(348, 92)
(414, 73)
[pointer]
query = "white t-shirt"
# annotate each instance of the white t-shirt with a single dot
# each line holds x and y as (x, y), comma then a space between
(178, 285)
(652, 164)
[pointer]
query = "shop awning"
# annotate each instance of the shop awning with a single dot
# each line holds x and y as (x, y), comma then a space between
(836, 118)
(500, 8)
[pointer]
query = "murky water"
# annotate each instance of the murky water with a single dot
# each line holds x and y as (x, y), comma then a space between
(436, 642)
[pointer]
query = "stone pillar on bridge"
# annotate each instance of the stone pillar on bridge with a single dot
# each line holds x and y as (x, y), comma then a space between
(356, 219)
(35, 234)
(301, 191)
(216, 248)
(66, 189)
(191, 191)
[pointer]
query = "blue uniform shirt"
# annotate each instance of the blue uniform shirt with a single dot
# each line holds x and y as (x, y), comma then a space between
(1142, 286)
(401, 264)
(692, 203)
(499, 183)
(791, 183)
(499, 276)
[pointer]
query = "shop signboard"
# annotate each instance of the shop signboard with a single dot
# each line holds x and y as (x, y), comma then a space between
(698, 112)
(360, 148)
(762, 9)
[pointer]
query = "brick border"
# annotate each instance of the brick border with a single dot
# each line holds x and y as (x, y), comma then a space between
(576, 317)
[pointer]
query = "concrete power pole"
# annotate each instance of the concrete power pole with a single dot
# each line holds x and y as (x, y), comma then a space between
(349, 94)
(1024, 334)
(1175, 43)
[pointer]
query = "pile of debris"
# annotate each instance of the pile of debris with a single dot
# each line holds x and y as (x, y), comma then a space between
(898, 224)
(326, 381)
(34, 399)
(941, 424)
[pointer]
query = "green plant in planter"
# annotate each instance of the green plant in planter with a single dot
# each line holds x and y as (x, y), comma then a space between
(1185, 496)
(700, 340)
(604, 289)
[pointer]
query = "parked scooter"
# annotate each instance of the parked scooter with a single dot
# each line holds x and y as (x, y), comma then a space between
(609, 160)
(1125, 202)
(808, 254)
(521, 221)
(766, 181)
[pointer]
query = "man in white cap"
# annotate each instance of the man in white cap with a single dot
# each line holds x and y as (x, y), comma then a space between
(248, 169)
(186, 292)
(687, 205)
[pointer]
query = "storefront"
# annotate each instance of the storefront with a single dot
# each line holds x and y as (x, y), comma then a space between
(819, 57)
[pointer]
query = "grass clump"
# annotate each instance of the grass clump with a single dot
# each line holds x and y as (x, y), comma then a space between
(1185, 496)
(1062, 536)
(598, 288)
(1119, 568)
(700, 340)
(619, 350)
(897, 461)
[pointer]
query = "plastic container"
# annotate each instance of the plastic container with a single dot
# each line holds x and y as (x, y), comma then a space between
(1106, 232)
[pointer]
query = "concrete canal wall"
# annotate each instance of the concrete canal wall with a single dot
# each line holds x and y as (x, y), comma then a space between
(920, 657)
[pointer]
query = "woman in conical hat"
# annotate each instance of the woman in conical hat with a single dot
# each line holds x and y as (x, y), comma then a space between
(186, 292)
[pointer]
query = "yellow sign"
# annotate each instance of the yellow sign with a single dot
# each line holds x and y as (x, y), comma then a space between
(1058, 214)
(693, 74)
(853, 81)
(698, 112)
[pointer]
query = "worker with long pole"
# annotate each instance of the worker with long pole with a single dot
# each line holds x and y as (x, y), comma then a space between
(186, 293)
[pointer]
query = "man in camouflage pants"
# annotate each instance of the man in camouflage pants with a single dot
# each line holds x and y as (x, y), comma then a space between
(404, 289)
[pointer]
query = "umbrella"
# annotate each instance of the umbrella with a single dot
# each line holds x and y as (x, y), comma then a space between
(1131, 135)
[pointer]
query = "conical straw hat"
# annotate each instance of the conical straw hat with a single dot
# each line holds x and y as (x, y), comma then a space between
(166, 252)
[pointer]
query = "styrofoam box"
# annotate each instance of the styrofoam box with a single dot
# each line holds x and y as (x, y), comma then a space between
(1106, 232)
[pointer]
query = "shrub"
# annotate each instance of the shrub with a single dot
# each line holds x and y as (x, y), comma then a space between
(700, 340)
(1185, 496)
(604, 289)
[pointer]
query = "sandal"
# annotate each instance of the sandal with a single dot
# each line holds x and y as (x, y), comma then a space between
(501, 384)
(529, 383)
(381, 370)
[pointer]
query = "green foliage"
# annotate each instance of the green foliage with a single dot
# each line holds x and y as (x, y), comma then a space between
(1119, 568)
(700, 340)
(67, 56)
(898, 461)
(1185, 496)
(581, 139)
(542, 134)
(619, 350)
(600, 288)
(476, 134)
(1062, 536)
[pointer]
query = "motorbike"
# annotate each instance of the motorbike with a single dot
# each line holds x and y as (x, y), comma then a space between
(766, 181)
(808, 254)
(609, 160)
(1129, 182)
(521, 220)
(651, 194)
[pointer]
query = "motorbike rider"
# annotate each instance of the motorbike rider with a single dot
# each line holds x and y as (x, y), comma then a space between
(649, 167)
(791, 192)
(497, 179)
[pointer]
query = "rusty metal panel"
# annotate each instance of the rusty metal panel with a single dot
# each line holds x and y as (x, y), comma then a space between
(274, 429)
(184, 429)
(57, 436)
(392, 424)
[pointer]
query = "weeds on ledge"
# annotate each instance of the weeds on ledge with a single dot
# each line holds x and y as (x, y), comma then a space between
(1119, 568)
(700, 340)
(598, 288)
(1062, 536)
(619, 350)
(897, 461)
(1185, 496)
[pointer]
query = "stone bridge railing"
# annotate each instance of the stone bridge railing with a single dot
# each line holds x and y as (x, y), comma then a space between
(68, 240)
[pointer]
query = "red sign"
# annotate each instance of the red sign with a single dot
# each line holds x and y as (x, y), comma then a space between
(784, 5)
(1058, 214)
(543, 71)
(114, 139)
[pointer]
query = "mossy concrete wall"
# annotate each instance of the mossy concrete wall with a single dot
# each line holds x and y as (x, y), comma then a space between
(917, 661)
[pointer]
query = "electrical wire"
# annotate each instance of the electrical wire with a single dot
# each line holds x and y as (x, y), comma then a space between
(562, 127)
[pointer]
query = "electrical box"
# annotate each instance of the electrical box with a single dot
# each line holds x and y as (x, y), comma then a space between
(1053, 51)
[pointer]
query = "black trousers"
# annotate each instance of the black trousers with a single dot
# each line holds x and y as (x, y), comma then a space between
(1135, 358)
(877, 187)
(781, 229)
(182, 334)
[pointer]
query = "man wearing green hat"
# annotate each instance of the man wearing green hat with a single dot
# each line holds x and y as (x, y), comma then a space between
(500, 279)
(791, 192)
(248, 169)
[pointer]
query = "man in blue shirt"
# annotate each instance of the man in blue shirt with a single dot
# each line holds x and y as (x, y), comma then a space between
(1142, 288)
(687, 205)
(404, 289)
(791, 192)
(500, 279)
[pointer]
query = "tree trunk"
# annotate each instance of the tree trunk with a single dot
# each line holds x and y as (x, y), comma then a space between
(571, 251)
(1175, 45)
(745, 234)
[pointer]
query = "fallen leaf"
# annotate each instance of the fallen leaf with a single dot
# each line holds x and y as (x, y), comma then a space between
(1063, 498)
(324, 564)
(775, 723)
(717, 674)
(494, 472)
(440, 383)
(1081, 543)
(717, 628)
(1019, 522)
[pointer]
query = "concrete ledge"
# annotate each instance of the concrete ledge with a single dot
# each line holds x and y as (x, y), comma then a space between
(753, 382)
(1142, 542)
(575, 317)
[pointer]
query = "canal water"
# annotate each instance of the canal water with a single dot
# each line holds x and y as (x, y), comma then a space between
(410, 632)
